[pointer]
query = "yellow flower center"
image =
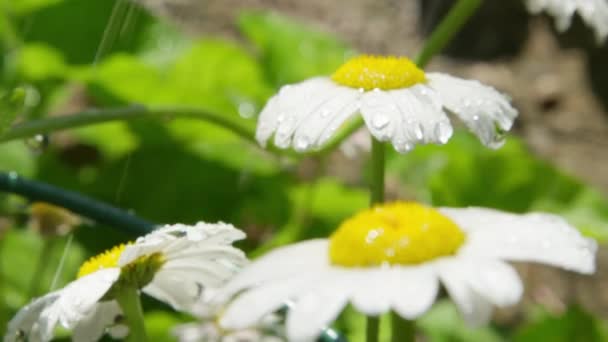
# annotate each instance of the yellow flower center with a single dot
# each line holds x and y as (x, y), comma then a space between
(397, 233)
(371, 72)
(107, 259)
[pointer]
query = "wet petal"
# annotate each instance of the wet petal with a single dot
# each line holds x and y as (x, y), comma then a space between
(534, 237)
(484, 110)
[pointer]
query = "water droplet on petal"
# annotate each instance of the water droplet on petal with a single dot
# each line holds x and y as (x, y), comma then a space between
(281, 118)
(475, 117)
(380, 121)
(325, 113)
(418, 131)
(443, 131)
(302, 144)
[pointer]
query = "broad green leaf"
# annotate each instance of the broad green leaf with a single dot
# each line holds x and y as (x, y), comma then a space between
(23, 7)
(443, 323)
(574, 325)
(37, 61)
(290, 51)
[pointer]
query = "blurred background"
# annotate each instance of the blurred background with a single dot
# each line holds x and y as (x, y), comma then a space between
(228, 57)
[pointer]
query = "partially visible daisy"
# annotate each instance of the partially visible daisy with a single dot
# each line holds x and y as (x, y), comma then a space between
(174, 264)
(394, 256)
(399, 102)
(593, 12)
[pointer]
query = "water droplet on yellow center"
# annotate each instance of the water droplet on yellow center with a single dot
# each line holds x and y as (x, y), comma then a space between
(107, 259)
(394, 233)
(371, 72)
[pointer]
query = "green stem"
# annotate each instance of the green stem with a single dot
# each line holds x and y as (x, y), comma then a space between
(98, 211)
(402, 330)
(378, 165)
(97, 116)
(449, 26)
(128, 299)
(372, 329)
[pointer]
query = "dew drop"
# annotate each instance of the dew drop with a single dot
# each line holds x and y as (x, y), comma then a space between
(302, 144)
(380, 121)
(325, 113)
(372, 235)
(38, 143)
(246, 110)
(418, 131)
(475, 117)
(281, 118)
(443, 131)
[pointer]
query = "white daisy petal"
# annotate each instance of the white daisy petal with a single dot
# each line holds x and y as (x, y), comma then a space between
(325, 118)
(94, 324)
(25, 324)
(406, 117)
(593, 12)
(316, 310)
(535, 237)
(278, 264)
(484, 110)
(475, 309)
(370, 290)
(77, 299)
(414, 291)
(287, 110)
(263, 300)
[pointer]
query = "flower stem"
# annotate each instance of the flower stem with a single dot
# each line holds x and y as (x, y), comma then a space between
(377, 183)
(372, 329)
(128, 299)
(402, 330)
(75, 202)
(449, 26)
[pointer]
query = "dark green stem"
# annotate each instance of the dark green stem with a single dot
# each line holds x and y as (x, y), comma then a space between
(372, 329)
(402, 330)
(75, 202)
(449, 26)
(378, 165)
(128, 299)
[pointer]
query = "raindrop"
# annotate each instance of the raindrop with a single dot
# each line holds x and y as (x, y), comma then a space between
(246, 110)
(372, 235)
(443, 131)
(418, 131)
(325, 113)
(404, 147)
(38, 143)
(281, 118)
(475, 117)
(380, 121)
(302, 144)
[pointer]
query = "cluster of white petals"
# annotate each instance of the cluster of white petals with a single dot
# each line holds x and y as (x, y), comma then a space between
(195, 257)
(306, 115)
(593, 12)
(476, 277)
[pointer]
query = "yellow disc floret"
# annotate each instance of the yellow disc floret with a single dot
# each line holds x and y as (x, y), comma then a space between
(107, 259)
(396, 233)
(371, 72)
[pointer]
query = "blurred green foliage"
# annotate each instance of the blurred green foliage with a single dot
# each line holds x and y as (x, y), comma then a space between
(179, 170)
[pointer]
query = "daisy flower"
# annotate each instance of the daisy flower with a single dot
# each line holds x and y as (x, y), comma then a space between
(593, 12)
(394, 257)
(398, 101)
(174, 264)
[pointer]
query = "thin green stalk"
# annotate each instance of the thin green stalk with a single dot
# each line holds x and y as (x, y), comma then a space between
(372, 329)
(128, 299)
(98, 211)
(97, 116)
(378, 166)
(449, 26)
(402, 330)
(43, 261)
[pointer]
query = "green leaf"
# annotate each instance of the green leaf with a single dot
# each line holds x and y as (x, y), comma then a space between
(23, 7)
(11, 105)
(290, 51)
(574, 325)
(37, 61)
(443, 323)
